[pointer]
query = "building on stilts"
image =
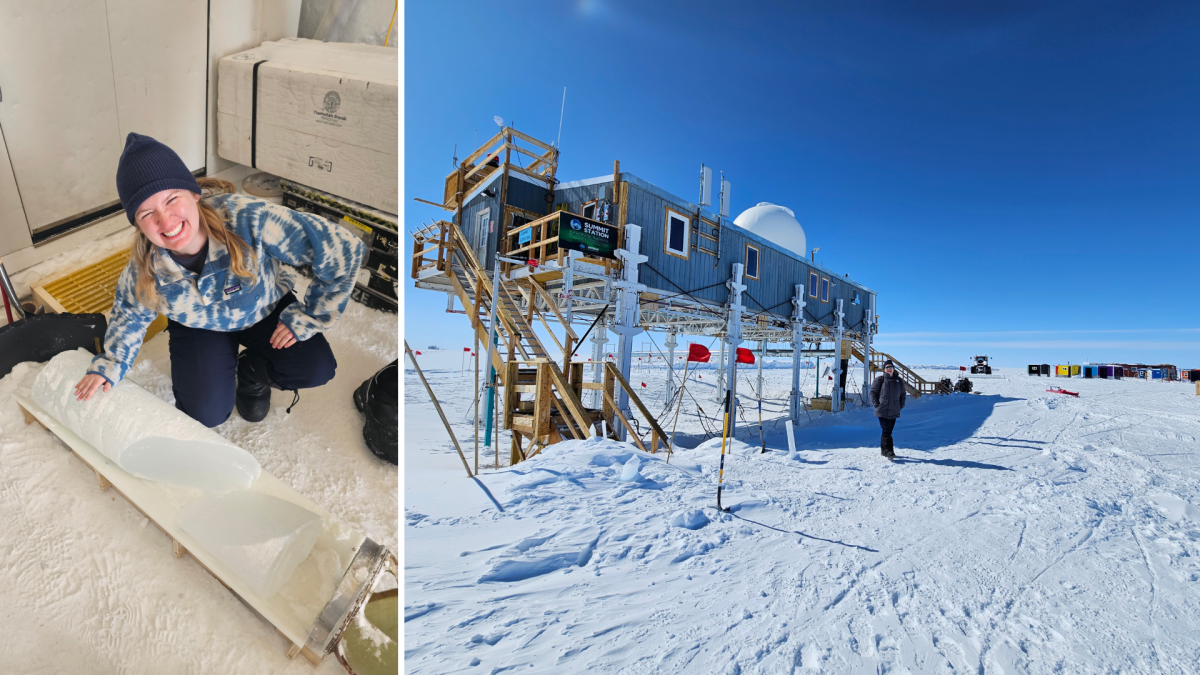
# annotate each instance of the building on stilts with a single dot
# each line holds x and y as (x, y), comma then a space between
(618, 254)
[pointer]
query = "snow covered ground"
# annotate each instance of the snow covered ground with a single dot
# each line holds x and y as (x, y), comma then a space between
(88, 585)
(1021, 531)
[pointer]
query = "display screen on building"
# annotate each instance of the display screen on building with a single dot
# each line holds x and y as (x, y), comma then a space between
(589, 237)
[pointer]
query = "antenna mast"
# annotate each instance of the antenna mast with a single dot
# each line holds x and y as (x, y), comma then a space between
(558, 143)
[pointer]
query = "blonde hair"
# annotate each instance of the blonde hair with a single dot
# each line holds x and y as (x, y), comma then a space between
(214, 224)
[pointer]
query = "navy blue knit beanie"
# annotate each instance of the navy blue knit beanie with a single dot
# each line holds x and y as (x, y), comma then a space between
(147, 167)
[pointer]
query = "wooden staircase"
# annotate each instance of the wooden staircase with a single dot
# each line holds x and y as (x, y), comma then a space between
(542, 402)
(914, 384)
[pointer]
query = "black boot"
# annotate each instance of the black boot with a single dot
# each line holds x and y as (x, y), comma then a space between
(253, 387)
(883, 445)
(889, 449)
(378, 399)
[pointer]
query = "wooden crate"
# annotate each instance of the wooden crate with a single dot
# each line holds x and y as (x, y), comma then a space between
(824, 403)
(90, 290)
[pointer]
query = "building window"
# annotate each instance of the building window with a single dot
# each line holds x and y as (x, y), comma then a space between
(824, 289)
(676, 234)
(752, 262)
(855, 300)
(589, 210)
(812, 284)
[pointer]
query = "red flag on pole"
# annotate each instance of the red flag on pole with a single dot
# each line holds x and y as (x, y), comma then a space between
(698, 353)
(745, 355)
(466, 349)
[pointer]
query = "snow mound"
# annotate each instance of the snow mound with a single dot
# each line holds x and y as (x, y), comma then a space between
(631, 473)
(693, 519)
(776, 224)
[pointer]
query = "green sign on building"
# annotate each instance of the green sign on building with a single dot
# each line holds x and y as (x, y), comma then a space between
(590, 237)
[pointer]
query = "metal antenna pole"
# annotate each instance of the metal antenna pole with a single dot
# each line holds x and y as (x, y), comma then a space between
(491, 377)
(558, 143)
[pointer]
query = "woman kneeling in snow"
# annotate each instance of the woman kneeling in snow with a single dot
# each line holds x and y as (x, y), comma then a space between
(211, 264)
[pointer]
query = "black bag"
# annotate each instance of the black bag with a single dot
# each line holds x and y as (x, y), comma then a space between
(378, 399)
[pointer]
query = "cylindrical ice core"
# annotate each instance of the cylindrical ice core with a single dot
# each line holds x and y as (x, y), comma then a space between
(115, 421)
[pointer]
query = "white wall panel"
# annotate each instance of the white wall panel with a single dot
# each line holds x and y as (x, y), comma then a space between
(159, 66)
(14, 229)
(59, 113)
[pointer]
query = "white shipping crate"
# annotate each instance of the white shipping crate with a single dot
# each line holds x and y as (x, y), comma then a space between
(324, 114)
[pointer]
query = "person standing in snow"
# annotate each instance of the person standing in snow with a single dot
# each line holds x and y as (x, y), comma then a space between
(887, 395)
(211, 261)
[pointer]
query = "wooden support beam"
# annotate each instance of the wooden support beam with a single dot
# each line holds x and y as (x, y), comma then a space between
(511, 393)
(483, 148)
(533, 141)
(515, 454)
(177, 548)
(610, 391)
(574, 406)
(29, 418)
(440, 206)
(621, 416)
(549, 300)
(541, 402)
(636, 401)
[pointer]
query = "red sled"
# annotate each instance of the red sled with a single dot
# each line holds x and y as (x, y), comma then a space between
(1063, 391)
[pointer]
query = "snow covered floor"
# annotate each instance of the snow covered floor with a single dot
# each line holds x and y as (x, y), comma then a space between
(1022, 531)
(89, 586)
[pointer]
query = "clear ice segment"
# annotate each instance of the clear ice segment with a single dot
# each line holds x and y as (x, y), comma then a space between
(259, 538)
(212, 467)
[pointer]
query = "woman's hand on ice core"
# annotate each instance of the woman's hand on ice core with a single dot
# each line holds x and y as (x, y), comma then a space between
(282, 337)
(89, 385)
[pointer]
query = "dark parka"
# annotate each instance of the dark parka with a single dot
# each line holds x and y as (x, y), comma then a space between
(887, 395)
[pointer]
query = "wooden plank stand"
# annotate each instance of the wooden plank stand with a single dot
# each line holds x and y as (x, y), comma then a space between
(310, 637)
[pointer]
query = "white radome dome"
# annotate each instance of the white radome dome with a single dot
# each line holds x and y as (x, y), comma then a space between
(776, 224)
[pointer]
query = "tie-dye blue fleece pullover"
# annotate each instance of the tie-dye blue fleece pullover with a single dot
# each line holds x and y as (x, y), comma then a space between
(218, 300)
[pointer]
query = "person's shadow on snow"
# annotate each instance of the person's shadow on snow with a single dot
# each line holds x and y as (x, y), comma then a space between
(959, 463)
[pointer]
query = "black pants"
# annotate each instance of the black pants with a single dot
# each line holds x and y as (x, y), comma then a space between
(887, 426)
(204, 364)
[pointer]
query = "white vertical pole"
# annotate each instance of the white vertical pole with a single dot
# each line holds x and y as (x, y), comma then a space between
(720, 393)
(599, 339)
(838, 394)
(762, 354)
(797, 351)
(567, 293)
(628, 306)
(869, 325)
(491, 345)
(733, 332)
(671, 344)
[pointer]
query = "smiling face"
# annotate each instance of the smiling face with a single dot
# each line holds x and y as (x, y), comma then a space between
(171, 219)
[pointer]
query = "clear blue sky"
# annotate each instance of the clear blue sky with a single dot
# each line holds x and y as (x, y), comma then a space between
(1018, 181)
